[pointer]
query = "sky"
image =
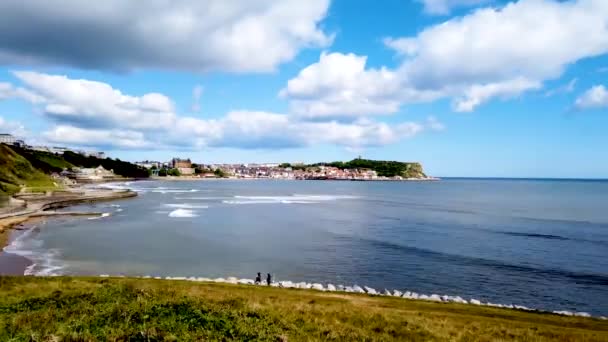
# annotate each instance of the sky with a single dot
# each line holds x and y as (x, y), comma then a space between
(472, 88)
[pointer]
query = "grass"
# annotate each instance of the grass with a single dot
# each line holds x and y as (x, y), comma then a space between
(16, 171)
(122, 309)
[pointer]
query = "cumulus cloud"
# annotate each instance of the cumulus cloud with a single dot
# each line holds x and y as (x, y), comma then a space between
(96, 104)
(254, 129)
(596, 97)
(125, 139)
(477, 94)
(228, 35)
(339, 85)
(487, 54)
(443, 7)
(94, 114)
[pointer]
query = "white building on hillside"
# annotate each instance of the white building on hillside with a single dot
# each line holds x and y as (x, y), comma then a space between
(8, 139)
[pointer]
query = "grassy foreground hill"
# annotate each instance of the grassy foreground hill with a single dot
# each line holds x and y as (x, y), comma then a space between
(123, 309)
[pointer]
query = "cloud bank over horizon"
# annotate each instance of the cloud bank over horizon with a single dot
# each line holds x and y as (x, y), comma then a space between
(489, 51)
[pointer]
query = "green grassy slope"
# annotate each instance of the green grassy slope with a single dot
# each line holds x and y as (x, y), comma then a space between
(15, 171)
(122, 309)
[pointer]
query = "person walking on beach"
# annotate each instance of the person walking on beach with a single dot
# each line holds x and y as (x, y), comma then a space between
(268, 279)
(258, 279)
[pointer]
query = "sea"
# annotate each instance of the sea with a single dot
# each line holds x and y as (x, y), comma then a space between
(537, 243)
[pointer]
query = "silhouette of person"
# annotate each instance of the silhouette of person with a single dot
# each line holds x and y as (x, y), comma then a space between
(258, 279)
(268, 279)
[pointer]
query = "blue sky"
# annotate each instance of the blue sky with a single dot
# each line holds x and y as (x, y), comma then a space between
(467, 87)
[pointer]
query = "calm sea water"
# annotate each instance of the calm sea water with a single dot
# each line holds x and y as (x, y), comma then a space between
(539, 243)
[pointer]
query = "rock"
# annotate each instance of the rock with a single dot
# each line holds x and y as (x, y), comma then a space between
(317, 287)
(475, 302)
(358, 289)
(331, 288)
(434, 298)
(287, 284)
(370, 290)
(582, 314)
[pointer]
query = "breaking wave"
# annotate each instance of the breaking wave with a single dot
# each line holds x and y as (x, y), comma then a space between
(44, 263)
(292, 199)
(182, 213)
(186, 206)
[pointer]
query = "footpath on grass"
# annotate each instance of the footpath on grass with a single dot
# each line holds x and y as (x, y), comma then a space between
(121, 309)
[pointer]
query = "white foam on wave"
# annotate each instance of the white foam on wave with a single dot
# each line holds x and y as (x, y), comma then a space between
(292, 199)
(44, 262)
(182, 213)
(186, 206)
(201, 198)
(173, 191)
(99, 217)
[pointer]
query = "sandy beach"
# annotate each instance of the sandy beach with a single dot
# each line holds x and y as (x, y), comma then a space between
(24, 209)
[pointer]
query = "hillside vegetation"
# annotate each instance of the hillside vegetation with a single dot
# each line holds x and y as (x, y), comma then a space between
(384, 168)
(20, 166)
(17, 171)
(122, 309)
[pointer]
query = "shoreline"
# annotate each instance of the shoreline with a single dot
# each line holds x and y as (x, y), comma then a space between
(188, 178)
(40, 206)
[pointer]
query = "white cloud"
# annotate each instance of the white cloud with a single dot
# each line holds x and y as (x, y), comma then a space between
(254, 129)
(8, 91)
(480, 93)
(596, 97)
(125, 139)
(97, 104)
(197, 92)
(339, 85)
(489, 53)
(434, 124)
(443, 7)
(229, 35)
(564, 89)
(91, 113)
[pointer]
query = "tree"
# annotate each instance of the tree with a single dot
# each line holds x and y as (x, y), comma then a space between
(174, 172)
(162, 172)
(220, 173)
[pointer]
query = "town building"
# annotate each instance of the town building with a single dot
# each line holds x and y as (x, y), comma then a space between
(93, 174)
(183, 165)
(7, 139)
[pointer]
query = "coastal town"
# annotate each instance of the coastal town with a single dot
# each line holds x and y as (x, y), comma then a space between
(185, 168)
